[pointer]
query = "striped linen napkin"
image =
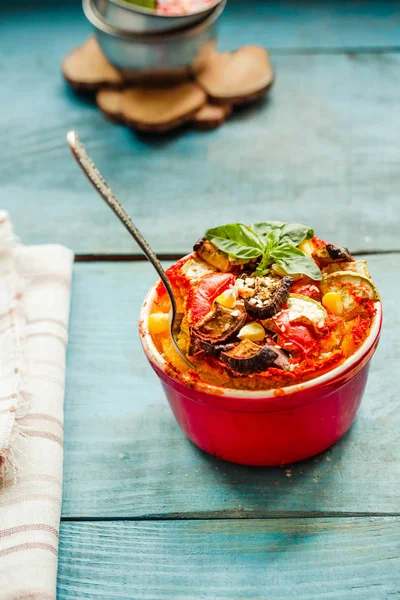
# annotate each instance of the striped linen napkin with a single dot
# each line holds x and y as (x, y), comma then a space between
(35, 289)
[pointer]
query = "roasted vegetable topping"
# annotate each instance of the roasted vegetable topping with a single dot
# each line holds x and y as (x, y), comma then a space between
(194, 269)
(220, 323)
(307, 246)
(248, 357)
(213, 350)
(273, 295)
(253, 332)
(227, 298)
(339, 254)
(269, 297)
(158, 322)
(292, 337)
(210, 254)
(303, 309)
(333, 303)
(354, 290)
(357, 266)
(210, 287)
(331, 254)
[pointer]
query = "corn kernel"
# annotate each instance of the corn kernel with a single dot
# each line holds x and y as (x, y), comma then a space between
(307, 247)
(333, 303)
(158, 323)
(228, 298)
(253, 332)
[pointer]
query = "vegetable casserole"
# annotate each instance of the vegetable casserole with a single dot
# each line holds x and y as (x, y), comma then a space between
(264, 307)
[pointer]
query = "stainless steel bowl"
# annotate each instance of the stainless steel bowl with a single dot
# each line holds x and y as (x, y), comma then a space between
(166, 55)
(137, 19)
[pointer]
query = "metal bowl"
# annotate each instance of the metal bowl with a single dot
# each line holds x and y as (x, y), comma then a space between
(137, 19)
(167, 55)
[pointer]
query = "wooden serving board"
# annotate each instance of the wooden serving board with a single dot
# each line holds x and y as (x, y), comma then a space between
(225, 80)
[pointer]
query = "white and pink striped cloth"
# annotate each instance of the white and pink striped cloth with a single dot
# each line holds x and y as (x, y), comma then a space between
(35, 290)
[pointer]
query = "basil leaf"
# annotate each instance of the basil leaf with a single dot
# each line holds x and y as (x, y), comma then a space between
(294, 261)
(290, 233)
(295, 233)
(264, 264)
(236, 239)
(264, 228)
(272, 240)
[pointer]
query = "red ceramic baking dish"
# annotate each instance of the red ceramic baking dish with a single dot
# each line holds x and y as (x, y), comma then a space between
(268, 428)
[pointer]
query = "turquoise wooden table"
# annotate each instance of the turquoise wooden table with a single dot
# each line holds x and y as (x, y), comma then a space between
(145, 514)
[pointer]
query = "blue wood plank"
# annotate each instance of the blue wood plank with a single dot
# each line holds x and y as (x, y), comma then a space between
(312, 25)
(125, 455)
(327, 137)
(283, 25)
(342, 559)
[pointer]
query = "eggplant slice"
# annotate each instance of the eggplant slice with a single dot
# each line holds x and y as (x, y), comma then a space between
(269, 297)
(220, 324)
(248, 357)
(332, 254)
(213, 350)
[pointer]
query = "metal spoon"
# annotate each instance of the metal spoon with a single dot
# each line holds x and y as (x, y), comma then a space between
(98, 182)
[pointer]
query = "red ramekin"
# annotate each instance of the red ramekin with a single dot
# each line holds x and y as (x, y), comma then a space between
(269, 428)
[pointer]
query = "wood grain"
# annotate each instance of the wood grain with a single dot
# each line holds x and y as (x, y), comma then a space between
(230, 560)
(325, 140)
(126, 457)
(324, 149)
(285, 25)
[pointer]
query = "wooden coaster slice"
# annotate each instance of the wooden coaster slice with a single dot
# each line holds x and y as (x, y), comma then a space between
(161, 109)
(211, 116)
(86, 68)
(109, 102)
(238, 77)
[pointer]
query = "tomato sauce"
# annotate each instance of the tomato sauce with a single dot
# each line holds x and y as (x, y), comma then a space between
(309, 337)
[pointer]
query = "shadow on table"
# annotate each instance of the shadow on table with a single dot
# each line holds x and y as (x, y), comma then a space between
(281, 500)
(83, 98)
(161, 140)
(247, 111)
(303, 489)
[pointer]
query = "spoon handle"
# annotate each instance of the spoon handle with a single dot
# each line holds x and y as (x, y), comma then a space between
(102, 187)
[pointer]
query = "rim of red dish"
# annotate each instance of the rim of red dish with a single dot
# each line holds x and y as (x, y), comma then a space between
(330, 376)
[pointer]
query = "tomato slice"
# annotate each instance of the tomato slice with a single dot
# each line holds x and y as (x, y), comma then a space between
(318, 243)
(209, 288)
(296, 335)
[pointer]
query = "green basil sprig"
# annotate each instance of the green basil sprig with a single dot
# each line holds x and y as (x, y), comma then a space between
(271, 241)
(236, 240)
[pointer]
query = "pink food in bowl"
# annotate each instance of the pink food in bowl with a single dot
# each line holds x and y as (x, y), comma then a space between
(182, 7)
(265, 428)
